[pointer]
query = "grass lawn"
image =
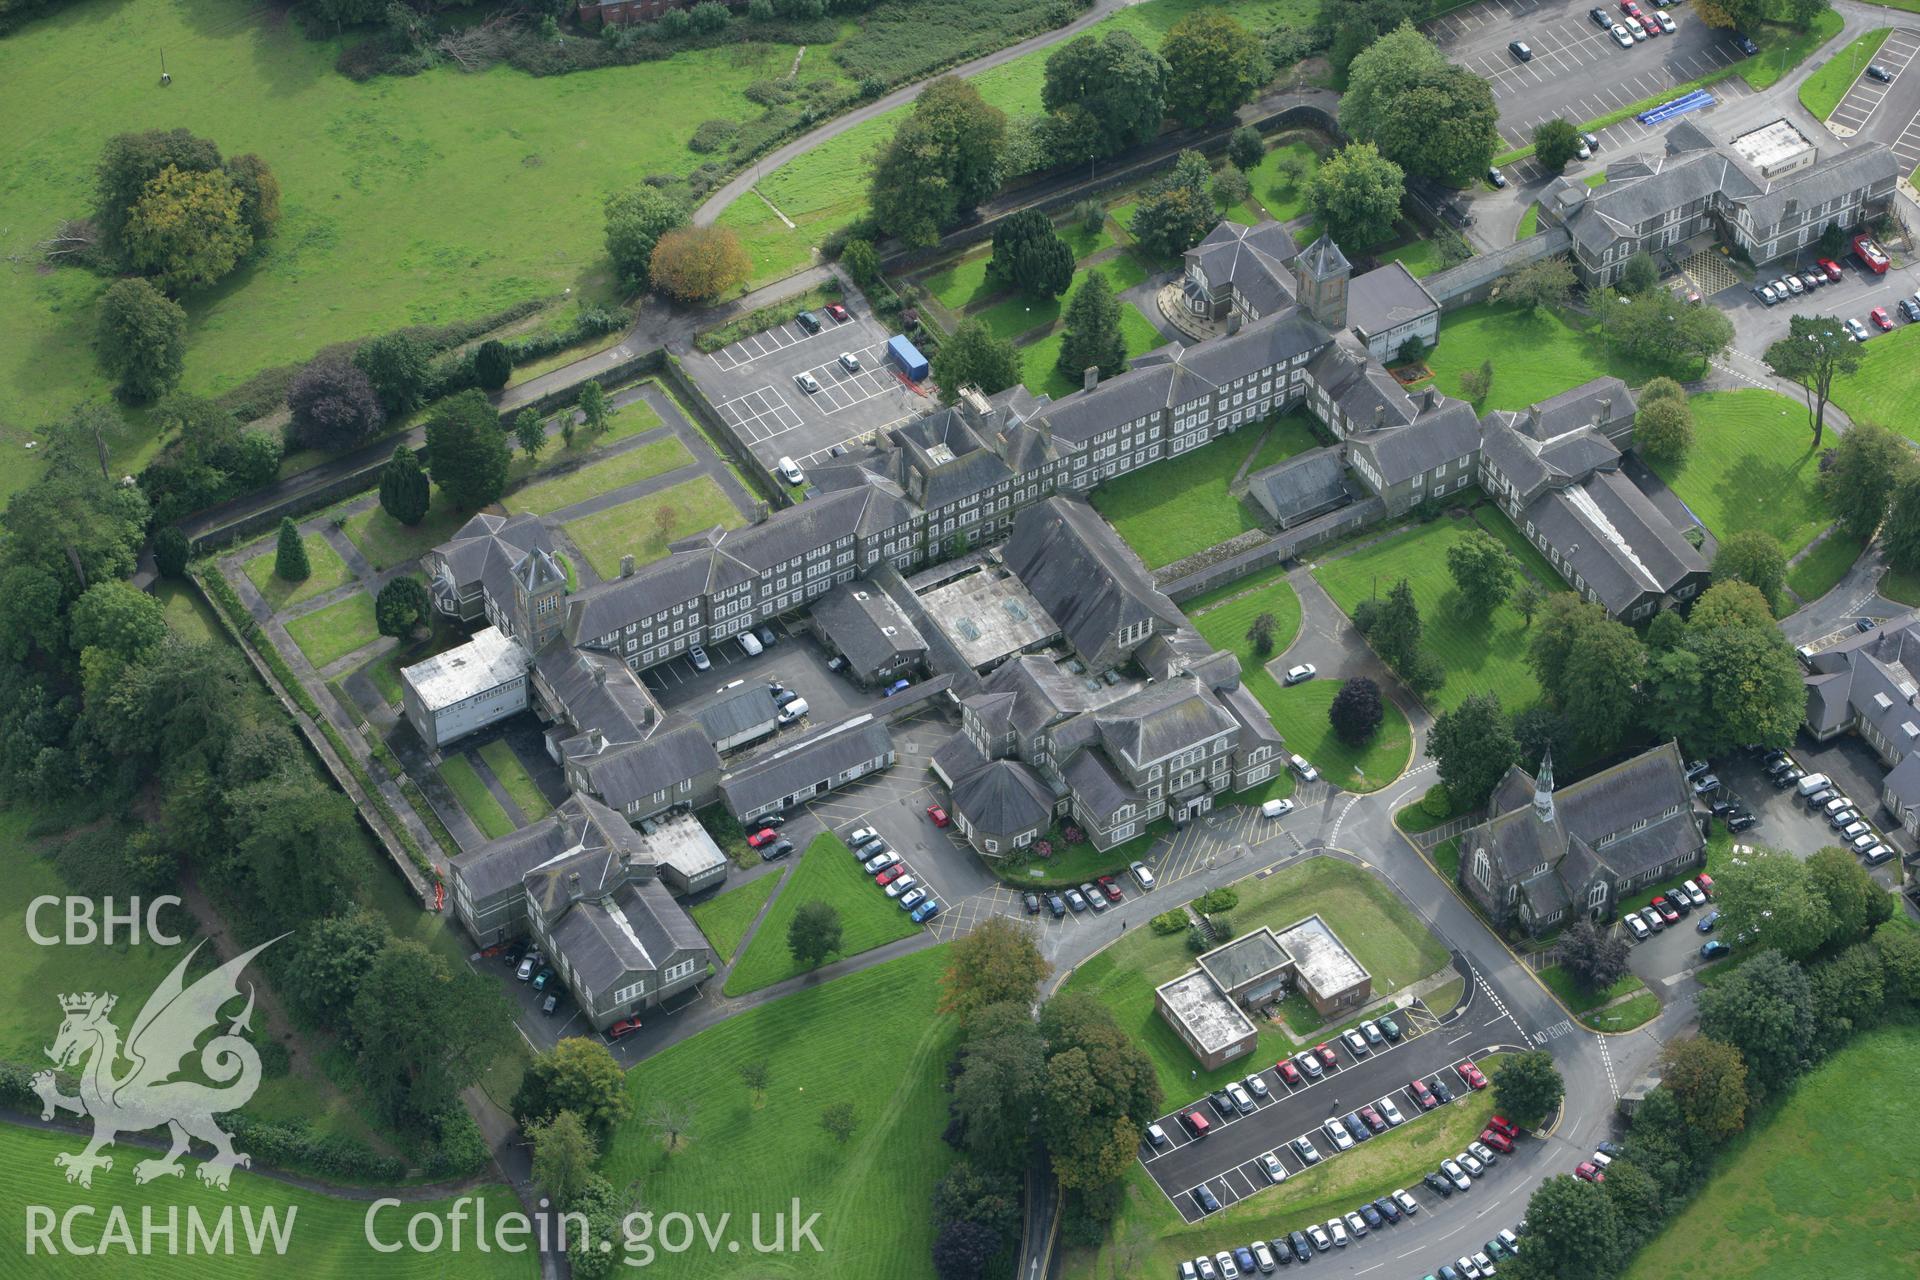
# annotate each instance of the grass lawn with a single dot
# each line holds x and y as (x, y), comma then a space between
(725, 916)
(1719, 852)
(1771, 1210)
(474, 797)
(328, 571)
(1383, 934)
(1783, 48)
(1824, 566)
(1073, 864)
(643, 527)
(1414, 818)
(1019, 313)
(1480, 654)
(964, 283)
(1496, 522)
(1751, 468)
(514, 777)
(1535, 354)
(826, 871)
(1896, 585)
(368, 174)
(629, 419)
(1284, 200)
(1179, 506)
(871, 1039)
(1446, 856)
(328, 634)
(188, 615)
(1232, 619)
(1039, 360)
(1626, 1015)
(642, 462)
(1421, 258)
(1529, 223)
(1577, 998)
(385, 542)
(329, 1236)
(1887, 387)
(1373, 1169)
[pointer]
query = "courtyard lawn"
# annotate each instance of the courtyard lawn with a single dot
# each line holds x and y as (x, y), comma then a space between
(1076, 863)
(871, 1039)
(1529, 223)
(1812, 1187)
(1383, 934)
(1578, 999)
(328, 571)
(1230, 621)
(1182, 505)
(329, 634)
(385, 542)
(1039, 360)
(643, 527)
(384, 673)
(1375, 1168)
(514, 777)
(329, 1236)
(1481, 655)
(642, 462)
(1495, 521)
(188, 615)
(1751, 468)
(1887, 387)
(1421, 258)
(725, 917)
(964, 283)
(407, 199)
(1824, 566)
(1284, 201)
(458, 774)
(826, 871)
(1535, 354)
(1083, 242)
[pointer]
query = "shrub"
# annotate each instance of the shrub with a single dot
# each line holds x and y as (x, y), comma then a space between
(712, 135)
(492, 364)
(1168, 923)
(1437, 803)
(1221, 899)
(1197, 941)
(170, 551)
(709, 17)
(333, 405)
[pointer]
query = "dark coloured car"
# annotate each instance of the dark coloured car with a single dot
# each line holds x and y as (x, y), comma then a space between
(1390, 1029)
(1520, 49)
(1495, 178)
(1745, 43)
(1437, 1183)
(1877, 72)
(1243, 1258)
(1708, 921)
(542, 978)
(1600, 18)
(1441, 1090)
(1031, 901)
(1297, 1243)
(776, 851)
(809, 321)
(1372, 1216)
(1371, 1118)
(1204, 1200)
(1223, 1103)
(1388, 1209)
(1359, 1131)
(1714, 950)
(1781, 781)
(1057, 905)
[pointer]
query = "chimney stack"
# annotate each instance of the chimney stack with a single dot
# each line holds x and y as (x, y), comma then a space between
(1432, 396)
(1233, 323)
(573, 884)
(626, 566)
(1606, 408)
(1379, 416)
(1090, 377)
(596, 739)
(599, 675)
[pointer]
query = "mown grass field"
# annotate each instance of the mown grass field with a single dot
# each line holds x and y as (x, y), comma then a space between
(1535, 354)
(826, 872)
(407, 200)
(1816, 1187)
(1039, 360)
(1283, 198)
(724, 917)
(514, 777)
(326, 570)
(1232, 619)
(1822, 91)
(1824, 566)
(329, 634)
(1383, 934)
(327, 1236)
(643, 462)
(872, 1039)
(457, 772)
(1182, 505)
(1887, 387)
(1421, 258)
(1482, 654)
(1373, 1169)
(643, 527)
(1751, 467)
(385, 542)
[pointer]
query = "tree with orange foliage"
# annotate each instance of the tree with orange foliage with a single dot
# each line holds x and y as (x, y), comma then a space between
(694, 264)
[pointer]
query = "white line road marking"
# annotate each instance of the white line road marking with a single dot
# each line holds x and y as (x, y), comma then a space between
(1606, 1060)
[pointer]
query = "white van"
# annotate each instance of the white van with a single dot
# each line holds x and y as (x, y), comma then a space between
(749, 644)
(790, 471)
(1306, 771)
(794, 710)
(1812, 783)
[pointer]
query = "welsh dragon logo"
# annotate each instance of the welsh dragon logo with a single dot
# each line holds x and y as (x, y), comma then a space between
(149, 1094)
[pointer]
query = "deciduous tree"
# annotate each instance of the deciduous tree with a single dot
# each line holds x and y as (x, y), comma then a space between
(1572, 1230)
(1260, 634)
(259, 194)
(1214, 66)
(1547, 283)
(1474, 748)
(564, 1154)
(940, 164)
(1815, 351)
(1245, 148)
(839, 1120)
(1663, 429)
(117, 617)
(332, 405)
(141, 336)
(396, 365)
(997, 962)
(1482, 569)
(1555, 142)
(1177, 211)
(1708, 1078)
(973, 357)
(467, 451)
(1765, 1010)
(1900, 532)
(635, 221)
(1527, 599)
(530, 434)
(1843, 884)
(187, 228)
(697, 264)
(1859, 474)
(1765, 896)
(1395, 634)
(814, 933)
(1356, 195)
(129, 162)
(1595, 957)
(1113, 88)
(593, 405)
(1425, 114)
(1527, 1086)
(580, 1075)
(334, 954)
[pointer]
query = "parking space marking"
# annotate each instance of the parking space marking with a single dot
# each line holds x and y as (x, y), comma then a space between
(1864, 95)
(739, 355)
(760, 415)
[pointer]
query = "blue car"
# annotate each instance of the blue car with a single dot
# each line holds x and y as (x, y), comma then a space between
(926, 911)
(898, 686)
(1708, 921)
(1243, 1258)
(1714, 950)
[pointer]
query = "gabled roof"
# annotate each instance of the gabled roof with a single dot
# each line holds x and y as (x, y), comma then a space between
(1003, 797)
(863, 622)
(1252, 260)
(1614, 538)
(635, 929)
(816, 756)
(1440, 435)
(1387, 297)
(677, 752)
(1083, 575)
(1300, 484)
(578, 824)
(1162, 720)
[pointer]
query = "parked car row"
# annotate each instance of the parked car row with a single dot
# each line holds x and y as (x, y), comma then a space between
(1095, 895)
(1668, 907)
(1826, 799)
(1503, 1246)
(892, 874)
(1634, 26)
(530, 966)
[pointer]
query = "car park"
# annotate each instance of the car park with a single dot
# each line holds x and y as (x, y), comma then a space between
(1301, 674)
(1196, 1124)
(1031, 901)
(806, 382)
(1288, 1072)
(698, 657)
(1371, 1030)
(1765, 293)
(1075, 901)
(1668, 912)
(1357, 1224)
(1708, 921)
(1321, 1240)
(1484, 1153)
(850, 362)
(1794, 285)
(1243, 1258)
(880, 862)
(1520, 50)
(1338, 1230)
(1354, 1126)
(776, 851)
(1482, 1261)
(766, 835)
(1741, 822)
(1337, 1134)
(1466, 1268)
(1390, 1029)
(1853, 829)
(1095, 899)
(1156, 1136)
(1709, 782)
(1387, 1209)
(1696, 768)
(1695, 894)
(1910, 307)
(1471, 1074)
(1652, 918)
(529, 964)
(1297, 1242)
(901, 883)
(1442, 1090)
(1371, 1118)
(1745, 44)
(1636, 29)
(925, 911)
(1818, 799)
(793, 711)
(1262, 1258)
(1511, 1240)
(1390, 1112)
(1864, 842)
(808, 321)
(938, 815)
(1878, 854)
(1666, 23)
(544, 977)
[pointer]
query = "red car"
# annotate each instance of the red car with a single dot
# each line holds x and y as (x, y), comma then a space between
(624, 1027)
(1629, 8)
(1371, 1118)
(938, 815)
(1587, 1172)
(1504, 1127)
(838, 312)
(891, 874)
(1498, 1141)
(1327, 1055)
(1665, 909)
(1471, 1074)
(1880, 318)
(1109, 887)
(766, 835)
(1705, 882)
(1288, 1072)
(1832, 269)
(1423, 1095)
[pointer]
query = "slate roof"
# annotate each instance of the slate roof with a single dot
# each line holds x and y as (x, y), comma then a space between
(819, 755)
(1171, 653)
(1250, 716)
(1095, 785)
(1615, 538)
(863, 622)
(1322, 259)
(578, 823)
(956, 758)
(1606, 403)
(597, 691)
(1162, 720)
(635, 929)
(1622, 205)
(1875, 676)
(1082, 574)
(1252, 260)
(467, 553)
(678, 751)
(1300, 484)
(743, 711)
(1859, 167)
(1440, 435)
(1385, 297)
(1003, 797)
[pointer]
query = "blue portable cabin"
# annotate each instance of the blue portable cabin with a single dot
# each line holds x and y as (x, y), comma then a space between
(908, 356)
